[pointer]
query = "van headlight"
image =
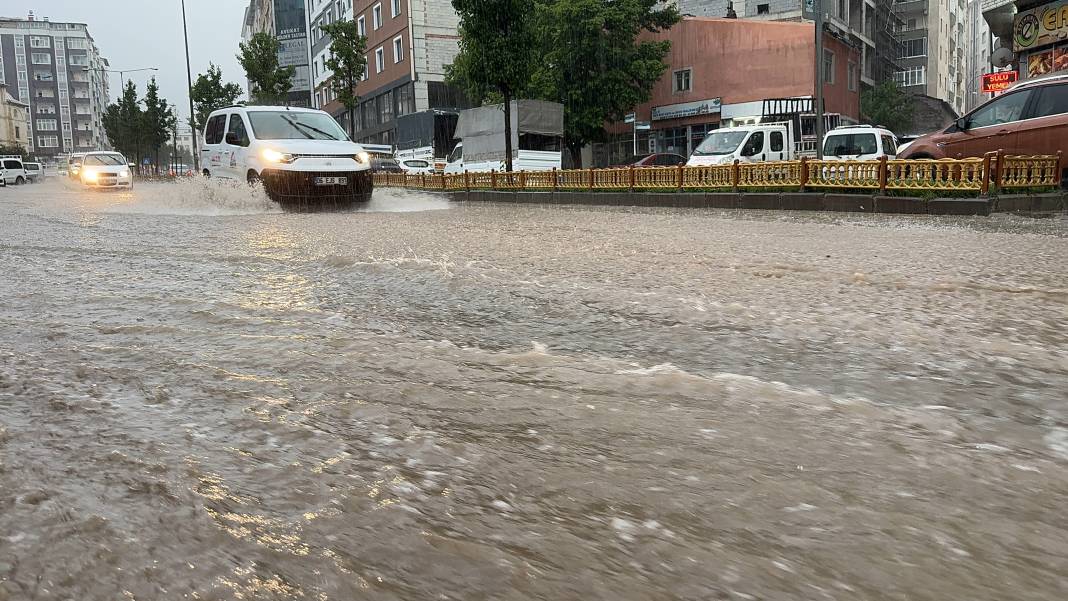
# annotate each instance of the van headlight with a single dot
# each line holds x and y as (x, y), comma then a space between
(362, 157)
(273, 156)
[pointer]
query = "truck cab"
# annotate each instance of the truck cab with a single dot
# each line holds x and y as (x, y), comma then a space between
(746, 144)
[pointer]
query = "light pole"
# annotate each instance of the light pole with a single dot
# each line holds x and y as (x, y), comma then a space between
(189, 79)
(122, 73)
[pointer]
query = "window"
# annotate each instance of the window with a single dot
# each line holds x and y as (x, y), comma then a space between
(237, 128)
(361, 25)
(754, 145)
(37, 41)
(20, 42)
(76, 43)
(851, 75)
(916, 47)
(682, 80)
(379, 59)
(385, 106)
(838, 145)
(48, 141)
(376, 16)
(776, 141)
(828, 67)
(18, 132)
(41, 58)
(213, 133)
(398, 49)
(763, 9)
(315, 67)
(46, 93)
(889, 145)
(913, 76)
(46, 109)
(43, 75)
(1003, 110)
(80, 60)
(405, 97)
(1052, 100)
(910, 25)
(81, 109)
(394, 8)
(46, 124)
(366, 69)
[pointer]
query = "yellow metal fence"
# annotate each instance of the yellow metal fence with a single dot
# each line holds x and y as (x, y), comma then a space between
(974, 174)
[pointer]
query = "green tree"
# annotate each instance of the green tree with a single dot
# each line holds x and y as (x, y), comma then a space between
(268, 82)
(157, 120)
(595, 65)
(348, 64)
(210, 93)
(123, 123)
(887, 105)
(12, 149)
(498, 53)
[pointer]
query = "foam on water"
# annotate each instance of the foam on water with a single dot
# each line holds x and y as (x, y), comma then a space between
(194, 196)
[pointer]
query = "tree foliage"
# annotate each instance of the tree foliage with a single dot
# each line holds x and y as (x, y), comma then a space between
(348, 63)
(498, 53)
(12, 149)
(159, 120)
(138, 132)
(268, 82)
(210, 93)
(887, 105)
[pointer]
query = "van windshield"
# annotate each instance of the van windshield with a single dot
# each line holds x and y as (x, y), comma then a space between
(850, 144)
(295, 125)
(720, 142)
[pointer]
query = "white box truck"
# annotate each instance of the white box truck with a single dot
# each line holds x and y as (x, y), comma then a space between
(537, 138)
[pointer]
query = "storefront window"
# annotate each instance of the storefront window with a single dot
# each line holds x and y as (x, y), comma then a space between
(674, 140)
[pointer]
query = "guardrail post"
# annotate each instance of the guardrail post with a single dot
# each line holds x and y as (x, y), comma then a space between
(984, 189)
(590, 170)
(422, 181)
(554, 179)
(882, 174)
(467, 180)
(1000, 169)
(679, 178)
(522, 180)
(804, 172)
(493, 179)
(631, 178)
(1057, 177)
(736, 175)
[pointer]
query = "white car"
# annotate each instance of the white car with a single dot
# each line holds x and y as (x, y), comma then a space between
(14, 171)
(417, 166)
(105, 170)
(299, 154)
(34, 172)
(859, 143)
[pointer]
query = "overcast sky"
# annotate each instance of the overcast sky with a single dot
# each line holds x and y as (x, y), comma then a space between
(148, 33)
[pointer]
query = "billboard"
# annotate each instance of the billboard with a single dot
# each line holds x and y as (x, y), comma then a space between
(1040, 26)
(292, 32)
(998, 82)
(687, 109)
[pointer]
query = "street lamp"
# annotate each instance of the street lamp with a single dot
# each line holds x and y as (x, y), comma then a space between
(122, 72)
(189, 80)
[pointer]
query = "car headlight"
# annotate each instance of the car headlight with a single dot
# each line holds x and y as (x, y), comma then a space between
(124, 173)
(90, 176)
(362, 158)
(273, 156)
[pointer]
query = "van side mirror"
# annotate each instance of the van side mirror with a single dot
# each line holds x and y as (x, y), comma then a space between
(962, 123)
(232, 139)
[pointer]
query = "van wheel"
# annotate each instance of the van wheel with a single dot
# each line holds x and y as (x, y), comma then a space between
(20, 180)
(207, 173)
(252, 178)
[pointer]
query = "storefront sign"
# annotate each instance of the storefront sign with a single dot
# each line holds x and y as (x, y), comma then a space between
(687, 109)
(1040, 26)
(1044, 62)
(998, 82)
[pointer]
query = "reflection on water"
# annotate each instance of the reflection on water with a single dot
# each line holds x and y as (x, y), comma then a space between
(204, 398)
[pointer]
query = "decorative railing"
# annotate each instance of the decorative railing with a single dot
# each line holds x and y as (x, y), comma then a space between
(975, 175)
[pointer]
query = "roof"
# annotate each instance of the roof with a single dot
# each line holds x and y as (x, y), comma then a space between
(257, 107)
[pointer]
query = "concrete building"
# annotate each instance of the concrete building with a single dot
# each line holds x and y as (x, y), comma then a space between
(57, 70)
(409, 44)
(287, 21)
(14, 115)
(721, 72)
(977, 62)
(935, 50)
(867, 24)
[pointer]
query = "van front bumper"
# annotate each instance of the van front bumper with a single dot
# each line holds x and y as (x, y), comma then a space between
(305, 187)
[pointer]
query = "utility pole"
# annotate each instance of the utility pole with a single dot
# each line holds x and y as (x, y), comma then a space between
(189, 79)
(818, 6)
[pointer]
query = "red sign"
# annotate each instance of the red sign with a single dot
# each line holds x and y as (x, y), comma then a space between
(998, 82)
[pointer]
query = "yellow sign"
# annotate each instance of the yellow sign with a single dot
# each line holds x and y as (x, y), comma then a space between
(1040, 26)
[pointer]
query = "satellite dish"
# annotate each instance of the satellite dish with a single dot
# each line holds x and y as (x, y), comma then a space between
(1002, 57)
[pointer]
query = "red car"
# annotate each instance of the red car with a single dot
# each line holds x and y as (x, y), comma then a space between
(660, 159)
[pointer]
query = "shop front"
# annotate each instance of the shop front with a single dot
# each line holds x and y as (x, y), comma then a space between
(1040, 39)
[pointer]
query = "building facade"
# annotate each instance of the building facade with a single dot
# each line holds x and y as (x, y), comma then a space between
(1034, 34)
(409, 44)
(977, 62)
(286, 20)
(936, 50)
(56, 69)
(721, 73)
(14, 116)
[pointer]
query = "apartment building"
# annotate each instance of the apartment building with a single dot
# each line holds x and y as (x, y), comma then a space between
(56, 69)
(868, 25)
(937, 50)
(409, 44)
(978, 60)
(287, 21)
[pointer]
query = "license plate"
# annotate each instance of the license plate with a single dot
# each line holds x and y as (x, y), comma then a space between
(331, 181)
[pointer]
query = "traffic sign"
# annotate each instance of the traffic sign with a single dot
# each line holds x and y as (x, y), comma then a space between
(629, 118)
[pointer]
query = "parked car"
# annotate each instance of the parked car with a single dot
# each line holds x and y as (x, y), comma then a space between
(1030, 118)
(417, 166)
(298, 154)
(105, 170)
(659, 159)
(859, 143)
(384, 164)
(34, 172)
(747, 144)
(15, 171)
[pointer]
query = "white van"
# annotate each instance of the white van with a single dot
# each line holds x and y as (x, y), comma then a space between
(859, 143)
(298, 154)
(747, 144)
(14, 171)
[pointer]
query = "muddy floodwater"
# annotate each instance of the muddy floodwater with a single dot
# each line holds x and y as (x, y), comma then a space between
(202, 397)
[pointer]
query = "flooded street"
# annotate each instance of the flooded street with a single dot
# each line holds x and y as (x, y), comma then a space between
(204, 398)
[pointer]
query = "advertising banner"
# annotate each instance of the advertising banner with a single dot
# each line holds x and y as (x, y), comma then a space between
(687, 109)
(1040, 26)
(998, 82)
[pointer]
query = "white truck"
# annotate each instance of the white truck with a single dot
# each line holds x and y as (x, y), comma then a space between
(747, 144)
(537, 138)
